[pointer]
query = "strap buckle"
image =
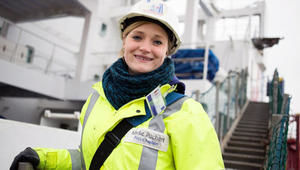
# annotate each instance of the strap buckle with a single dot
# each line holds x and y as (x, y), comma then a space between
(112, 138)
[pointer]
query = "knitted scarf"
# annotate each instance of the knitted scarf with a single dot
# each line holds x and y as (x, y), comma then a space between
(120, 87)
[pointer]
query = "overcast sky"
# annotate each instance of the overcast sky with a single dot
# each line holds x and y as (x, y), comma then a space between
(283, 21)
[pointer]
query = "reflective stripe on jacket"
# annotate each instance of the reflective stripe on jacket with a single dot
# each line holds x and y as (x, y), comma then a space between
(193, 142)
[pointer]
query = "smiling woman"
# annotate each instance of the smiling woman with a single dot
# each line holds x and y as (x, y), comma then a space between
(139, 94)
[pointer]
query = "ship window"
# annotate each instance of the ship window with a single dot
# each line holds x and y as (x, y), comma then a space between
(103, 30)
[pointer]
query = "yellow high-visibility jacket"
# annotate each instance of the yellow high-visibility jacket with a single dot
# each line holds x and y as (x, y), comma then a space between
(193, 143)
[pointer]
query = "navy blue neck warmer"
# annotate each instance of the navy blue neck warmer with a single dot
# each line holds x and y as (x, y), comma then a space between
(120, 87)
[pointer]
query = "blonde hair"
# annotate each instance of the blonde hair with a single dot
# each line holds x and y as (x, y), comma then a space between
(134, 26)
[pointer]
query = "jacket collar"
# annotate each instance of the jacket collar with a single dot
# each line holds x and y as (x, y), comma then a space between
(166, 88)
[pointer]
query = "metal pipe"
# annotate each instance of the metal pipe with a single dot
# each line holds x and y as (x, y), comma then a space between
(50, 60)
(228, 103)
(205, 61)
(83, 47)
(237, 89)
(197, 92)
(49, 114)
(221, 128)
(217, 122)
(275, 92)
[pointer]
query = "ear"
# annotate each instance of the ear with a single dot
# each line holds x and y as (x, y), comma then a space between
(123, 41)
(167, 52)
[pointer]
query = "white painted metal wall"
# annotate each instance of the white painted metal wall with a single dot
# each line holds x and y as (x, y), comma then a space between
(16, 136)
(50, 85)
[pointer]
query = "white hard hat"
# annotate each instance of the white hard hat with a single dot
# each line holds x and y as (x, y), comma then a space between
(154, 11)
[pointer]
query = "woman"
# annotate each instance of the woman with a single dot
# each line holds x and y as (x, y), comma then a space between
(137, 118)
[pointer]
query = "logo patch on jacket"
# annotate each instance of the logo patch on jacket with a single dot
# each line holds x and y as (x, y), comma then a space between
(148, 137)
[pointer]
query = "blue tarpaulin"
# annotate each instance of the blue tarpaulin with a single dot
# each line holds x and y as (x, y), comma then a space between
(191, 69)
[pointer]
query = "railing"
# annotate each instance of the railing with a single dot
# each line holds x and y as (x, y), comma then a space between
(279, 112)
(224, 100)
(33, 51)
(293, 158)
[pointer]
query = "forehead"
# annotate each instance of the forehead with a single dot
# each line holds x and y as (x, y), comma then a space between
(151, 29)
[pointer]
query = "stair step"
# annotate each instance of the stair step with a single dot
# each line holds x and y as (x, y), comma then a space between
(249, 138)
(243, 157)
(263, 123)
(254, 145)
(243, 150)
(242, 165)
(251, 130)
(249, 134)
(246, 139)
(257, 118)
(252, 126)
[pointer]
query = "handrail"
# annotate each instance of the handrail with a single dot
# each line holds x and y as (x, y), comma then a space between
(224, 101)
(228, 135)
(279, 112)
(36, 35)
(44, 58)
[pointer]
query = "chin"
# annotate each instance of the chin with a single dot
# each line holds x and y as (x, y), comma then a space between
(141, 71)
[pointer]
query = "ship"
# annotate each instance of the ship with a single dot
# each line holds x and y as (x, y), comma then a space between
(52, 52)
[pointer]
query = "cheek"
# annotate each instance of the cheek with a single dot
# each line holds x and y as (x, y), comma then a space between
(162, 53)
(161, 58)
(126, 53)
(129, 46)
(126, 56)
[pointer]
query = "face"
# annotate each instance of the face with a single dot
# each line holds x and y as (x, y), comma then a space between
(145, 48)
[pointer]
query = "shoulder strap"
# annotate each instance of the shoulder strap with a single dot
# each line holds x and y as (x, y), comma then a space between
(110, 142)
(113, 138)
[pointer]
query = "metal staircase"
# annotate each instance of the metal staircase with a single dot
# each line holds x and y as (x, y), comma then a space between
(246, 148)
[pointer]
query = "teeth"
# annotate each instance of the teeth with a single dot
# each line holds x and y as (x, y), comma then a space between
(143, 58)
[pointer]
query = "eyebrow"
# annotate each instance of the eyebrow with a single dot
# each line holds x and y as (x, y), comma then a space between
(141, 32)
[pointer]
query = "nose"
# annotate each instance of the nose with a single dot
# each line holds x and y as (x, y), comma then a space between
(145, 46)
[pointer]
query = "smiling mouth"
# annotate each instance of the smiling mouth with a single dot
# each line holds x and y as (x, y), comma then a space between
(143, 58)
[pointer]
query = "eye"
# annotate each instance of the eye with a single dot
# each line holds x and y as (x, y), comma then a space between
(157, 42)
(136, 37)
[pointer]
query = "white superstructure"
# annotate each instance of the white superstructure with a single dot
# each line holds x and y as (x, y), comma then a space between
(61, 58)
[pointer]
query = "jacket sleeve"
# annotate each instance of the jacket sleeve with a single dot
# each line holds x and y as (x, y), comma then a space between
(193, 139)
(58, 159)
